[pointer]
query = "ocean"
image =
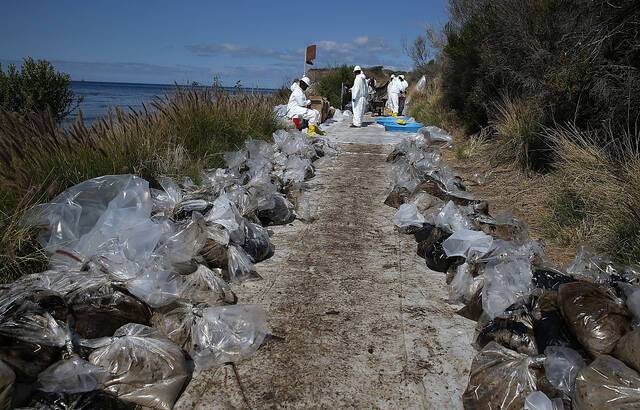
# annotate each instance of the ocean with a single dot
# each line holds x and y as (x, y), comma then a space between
(100, 97)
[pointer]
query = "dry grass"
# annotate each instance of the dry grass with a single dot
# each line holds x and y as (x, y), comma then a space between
(180, 136)
(516, 124)
(429, 106)
(595, 191)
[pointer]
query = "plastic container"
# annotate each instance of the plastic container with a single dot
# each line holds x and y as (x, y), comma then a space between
(390, 120)
(409, 127)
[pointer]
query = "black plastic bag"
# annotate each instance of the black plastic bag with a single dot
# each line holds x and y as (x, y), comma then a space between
(550, 279)
(281, 214)
(95, 400)
(549, 327)
(256, 242)
(513, 329)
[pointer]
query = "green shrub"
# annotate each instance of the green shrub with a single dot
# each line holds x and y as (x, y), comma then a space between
(329, 85)
(37, 87)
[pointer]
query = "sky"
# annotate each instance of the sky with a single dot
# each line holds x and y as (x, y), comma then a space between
(260, 43)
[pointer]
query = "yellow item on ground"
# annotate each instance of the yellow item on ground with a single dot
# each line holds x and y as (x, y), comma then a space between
(401, 122)
(393, 114)
(314, 130)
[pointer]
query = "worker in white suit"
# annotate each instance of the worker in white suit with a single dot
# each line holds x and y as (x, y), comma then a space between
(393, 95)
(359, 95)
(404, 99)
(299, 106)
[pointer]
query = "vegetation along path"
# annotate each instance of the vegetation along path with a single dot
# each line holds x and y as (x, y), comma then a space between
(356, 317)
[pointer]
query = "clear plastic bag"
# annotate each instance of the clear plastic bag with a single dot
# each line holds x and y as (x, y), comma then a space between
(607, 384)
(176, 322)
(628, 349)
(224, 213)
(167, 199)
(240, 265)
(595, 315)
(156, 288)
(408, 216)
(464, 287)
(297, 170)
(505, 283)
(103, 209)
(501, 379)
(73, 375)
(433, 134)
(452, 219)
(181, 245)
(561, 367)
(206, 286)
(228, 334)
(468, 244)
(142, 367)
(539, 401)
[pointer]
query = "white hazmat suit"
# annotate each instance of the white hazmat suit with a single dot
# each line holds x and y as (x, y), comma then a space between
(393, 94)
(298, 104)
(359, 94)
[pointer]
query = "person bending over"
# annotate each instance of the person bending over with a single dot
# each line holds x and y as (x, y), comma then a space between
(299, 106)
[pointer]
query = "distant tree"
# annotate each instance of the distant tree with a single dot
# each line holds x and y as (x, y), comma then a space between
(36, 87)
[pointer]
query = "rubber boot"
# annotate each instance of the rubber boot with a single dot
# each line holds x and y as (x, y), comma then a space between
(312, 130)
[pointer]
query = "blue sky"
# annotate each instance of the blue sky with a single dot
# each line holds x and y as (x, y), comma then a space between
(257, 42)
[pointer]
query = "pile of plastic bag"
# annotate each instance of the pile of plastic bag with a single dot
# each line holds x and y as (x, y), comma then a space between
(138, 288)
(547, 338)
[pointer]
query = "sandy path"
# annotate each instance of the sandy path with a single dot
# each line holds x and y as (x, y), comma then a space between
(358, 319)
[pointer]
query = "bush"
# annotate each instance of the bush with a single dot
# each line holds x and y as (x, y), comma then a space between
(329, 85)
(37, 87)
(516, 125)
(429, 106)
(181, 136)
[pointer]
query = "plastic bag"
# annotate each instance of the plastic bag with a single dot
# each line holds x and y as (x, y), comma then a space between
(548, 324)
(607, 384)
(176, 322)
(224, 213)
(297, 170)
(628, 349)
(596, 316)
(408, 216)
(464, 287)
(73, 375)
(561, 367)
(228, 334)
(86, 216)
(156, 288)
(7, 382)
(505, 283)
(539, 401)
(94, 400)
(214, 250)
(206, 286)
(433, 134)
(167, 199)
(451, 219)
(468, 244)
(282, 212)
(31, 338)
(142, 368)
(183, 244)
(501, 379)
(256, 242)
(421, 84)
(513, 329)
(550, 279)
(240, 265)
(100, 309)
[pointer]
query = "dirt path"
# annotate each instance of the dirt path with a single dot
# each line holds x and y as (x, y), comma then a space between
(358, 320)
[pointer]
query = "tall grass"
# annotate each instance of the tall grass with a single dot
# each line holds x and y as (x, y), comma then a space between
(595, 193)
(180, 136)
(516, 124)
(429, 106)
